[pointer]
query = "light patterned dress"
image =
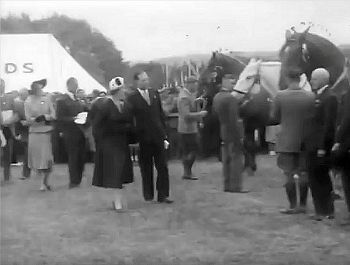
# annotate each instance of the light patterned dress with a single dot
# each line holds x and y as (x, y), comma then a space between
(40, 155)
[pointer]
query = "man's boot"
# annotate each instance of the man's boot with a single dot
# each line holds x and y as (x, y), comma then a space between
(292, 198)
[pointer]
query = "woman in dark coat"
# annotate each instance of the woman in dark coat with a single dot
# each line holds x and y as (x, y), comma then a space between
(111, 124)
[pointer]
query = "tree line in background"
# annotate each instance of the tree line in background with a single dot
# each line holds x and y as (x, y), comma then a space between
(91, 49)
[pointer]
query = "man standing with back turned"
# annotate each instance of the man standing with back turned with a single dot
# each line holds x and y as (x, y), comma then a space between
(226, 107)
(292, 108)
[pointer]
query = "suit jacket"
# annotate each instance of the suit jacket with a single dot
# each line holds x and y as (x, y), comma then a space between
(7, 103)
(149, 119)
(320, 127)
(19, 128)
(343, 132)
(188, 114)
(226, 108)
(292, 108)
(67, 110)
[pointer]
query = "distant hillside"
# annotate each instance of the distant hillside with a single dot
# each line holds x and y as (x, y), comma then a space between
(345, 48)
(243, 56)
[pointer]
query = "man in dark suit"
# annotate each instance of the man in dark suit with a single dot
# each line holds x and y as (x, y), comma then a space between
(151, 133)
(342, 147)
(22, 129)
(292, 107)
(319, 141)
(68, 107)
(9, 118)
(225, 106)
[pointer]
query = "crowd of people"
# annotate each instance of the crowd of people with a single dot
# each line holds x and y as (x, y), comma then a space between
(309, 144)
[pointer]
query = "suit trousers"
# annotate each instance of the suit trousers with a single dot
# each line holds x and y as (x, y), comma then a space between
(346, 182)
(25, 169)
(320, 183)
(6, 157)
(76, 150)
(154, 154)
(232, 161)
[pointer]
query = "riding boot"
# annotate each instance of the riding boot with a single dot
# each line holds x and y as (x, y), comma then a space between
(191, 158)
(303, 195)
(186, 168)
(291, 194)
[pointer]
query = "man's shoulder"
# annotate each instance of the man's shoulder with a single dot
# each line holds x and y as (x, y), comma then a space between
(62, 98)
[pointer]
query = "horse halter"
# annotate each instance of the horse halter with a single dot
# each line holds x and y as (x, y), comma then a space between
(305, 53)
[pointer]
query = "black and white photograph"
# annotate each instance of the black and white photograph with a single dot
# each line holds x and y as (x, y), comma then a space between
(175, 132)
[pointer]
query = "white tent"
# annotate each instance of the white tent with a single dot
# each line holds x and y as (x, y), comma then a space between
(25, 58)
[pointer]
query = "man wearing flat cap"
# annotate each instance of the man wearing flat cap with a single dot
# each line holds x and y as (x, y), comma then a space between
(68, 107)
(292, 108)
(189, 117)
(225, 105)
(320, 131)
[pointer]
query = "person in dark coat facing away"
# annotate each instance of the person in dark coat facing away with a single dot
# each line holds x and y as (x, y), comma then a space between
(292, 108)
(341, 152)
(320, 132)
(111, 124)
(68, 107)
(151, 133)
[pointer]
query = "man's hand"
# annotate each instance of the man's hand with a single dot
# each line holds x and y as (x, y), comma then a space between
(203, 113)
(166, 144)
(335, 147)
(24, 122)
(2, 139)
(321, 153)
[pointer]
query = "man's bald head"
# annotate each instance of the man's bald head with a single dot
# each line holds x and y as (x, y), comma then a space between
(319, 78)
(23, 93)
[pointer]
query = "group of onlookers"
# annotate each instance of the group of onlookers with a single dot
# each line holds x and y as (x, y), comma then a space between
(308, 144)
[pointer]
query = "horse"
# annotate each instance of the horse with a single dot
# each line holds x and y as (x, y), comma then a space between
(306, 52)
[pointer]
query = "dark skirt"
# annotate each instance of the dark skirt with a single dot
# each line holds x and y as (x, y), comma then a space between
(113, 166)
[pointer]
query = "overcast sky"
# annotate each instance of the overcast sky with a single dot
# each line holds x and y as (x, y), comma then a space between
(145, 30)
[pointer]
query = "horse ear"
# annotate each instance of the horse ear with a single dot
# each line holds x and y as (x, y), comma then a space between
(303, 35)
(307, 30)
(214, 55)
(288, 35)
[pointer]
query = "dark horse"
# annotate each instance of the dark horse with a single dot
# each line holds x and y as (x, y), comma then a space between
(307, 52)
(254, 113)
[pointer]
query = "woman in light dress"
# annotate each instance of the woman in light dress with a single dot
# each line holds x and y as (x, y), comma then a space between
(40, 113)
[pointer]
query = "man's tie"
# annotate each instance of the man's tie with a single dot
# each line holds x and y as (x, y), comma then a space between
(145, 95)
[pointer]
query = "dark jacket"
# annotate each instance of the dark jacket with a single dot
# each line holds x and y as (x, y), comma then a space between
(67, 110)
(343, 132)
(226, 108)
(149, 119)
(320, 128)
(7, 103)
(292, 107)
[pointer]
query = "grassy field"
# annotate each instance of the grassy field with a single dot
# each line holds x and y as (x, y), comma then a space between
(203, 226)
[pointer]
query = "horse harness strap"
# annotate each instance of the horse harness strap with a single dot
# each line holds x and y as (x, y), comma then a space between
(343, 75)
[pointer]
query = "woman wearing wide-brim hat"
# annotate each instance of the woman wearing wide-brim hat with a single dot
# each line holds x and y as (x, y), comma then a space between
(39, 113)
(111, 125)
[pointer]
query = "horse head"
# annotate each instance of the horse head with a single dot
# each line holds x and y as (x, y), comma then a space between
(295, 54)
(249, 79)
(306, 52)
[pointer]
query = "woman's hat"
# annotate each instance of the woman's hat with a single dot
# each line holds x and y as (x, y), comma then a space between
(42, 82)
(116, 83)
